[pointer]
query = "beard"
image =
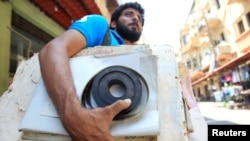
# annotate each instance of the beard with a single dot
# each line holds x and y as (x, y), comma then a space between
(127, 33)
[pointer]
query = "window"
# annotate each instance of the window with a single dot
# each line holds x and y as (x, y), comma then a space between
(218, 4)
(248, 18)
(189, 65)
(26, 39)
(201, 27)
(19, 50)
(184, 39)
(216, 42)
(195, 65)
(199, 92)
(241, 27)
(222, 36)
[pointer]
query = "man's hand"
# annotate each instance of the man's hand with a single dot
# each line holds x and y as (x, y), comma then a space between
(93, 125)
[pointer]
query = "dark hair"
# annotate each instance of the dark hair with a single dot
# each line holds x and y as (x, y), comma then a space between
(135, 5)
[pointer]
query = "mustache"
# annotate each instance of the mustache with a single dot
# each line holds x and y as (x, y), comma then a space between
(133, 23)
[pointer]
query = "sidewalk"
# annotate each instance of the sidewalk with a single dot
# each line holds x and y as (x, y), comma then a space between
(216, 111)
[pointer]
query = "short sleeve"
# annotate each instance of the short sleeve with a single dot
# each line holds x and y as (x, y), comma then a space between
(92, 27)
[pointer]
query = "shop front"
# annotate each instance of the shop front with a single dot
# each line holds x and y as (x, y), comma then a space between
(226, 83)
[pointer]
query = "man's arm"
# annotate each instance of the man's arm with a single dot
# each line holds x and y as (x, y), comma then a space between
(80, 123)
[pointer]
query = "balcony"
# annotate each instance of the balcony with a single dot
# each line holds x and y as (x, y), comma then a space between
(235, 1)
(195, 43)
(185, 29)
(203, 4)
(196, 76)
(203, 31)
(185, 48)
(199, 42)
(243, 44)
(224, 58)
(211, 24)
(215, 24)
(223, 47)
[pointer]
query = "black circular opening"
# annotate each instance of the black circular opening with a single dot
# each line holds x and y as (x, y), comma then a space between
(117, 88)
(114, 83)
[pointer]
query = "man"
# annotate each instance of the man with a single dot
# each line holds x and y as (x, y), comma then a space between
(82, 124)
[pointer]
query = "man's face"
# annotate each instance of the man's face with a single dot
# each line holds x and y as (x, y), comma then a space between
(129, 25)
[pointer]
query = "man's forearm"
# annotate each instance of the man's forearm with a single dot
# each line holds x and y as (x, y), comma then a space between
(56, 73)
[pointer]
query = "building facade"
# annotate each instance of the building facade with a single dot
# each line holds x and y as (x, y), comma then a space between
(27, 25)
(215, 47)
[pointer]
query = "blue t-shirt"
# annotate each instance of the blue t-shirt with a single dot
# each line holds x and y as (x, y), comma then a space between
(93, 28)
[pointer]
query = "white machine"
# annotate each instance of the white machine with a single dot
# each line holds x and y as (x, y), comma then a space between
(122, 69)
(27, 113)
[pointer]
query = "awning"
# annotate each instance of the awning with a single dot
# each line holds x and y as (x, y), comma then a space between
(64, 12)
(228, 65)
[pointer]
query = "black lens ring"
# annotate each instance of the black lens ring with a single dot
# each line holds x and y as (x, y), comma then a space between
(106, 82)
(130, 79)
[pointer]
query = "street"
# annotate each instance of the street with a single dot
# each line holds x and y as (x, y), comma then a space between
(216, 114)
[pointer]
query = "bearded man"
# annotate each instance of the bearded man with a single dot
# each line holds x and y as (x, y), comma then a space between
(84, 124)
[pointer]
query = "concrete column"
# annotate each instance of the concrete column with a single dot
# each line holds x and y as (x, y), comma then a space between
(5, 37)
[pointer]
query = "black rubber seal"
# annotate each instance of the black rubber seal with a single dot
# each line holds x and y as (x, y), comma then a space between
(101, 83)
